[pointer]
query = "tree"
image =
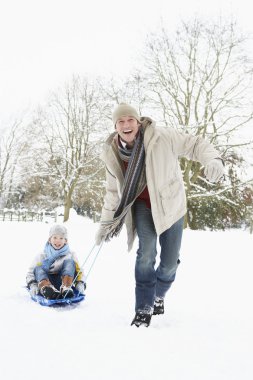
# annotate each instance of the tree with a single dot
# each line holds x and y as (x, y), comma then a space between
(12, 145)
(199, 82)
(125, 90)
(70, 130)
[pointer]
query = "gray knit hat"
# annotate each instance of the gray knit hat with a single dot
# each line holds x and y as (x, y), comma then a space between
(58, 229)
(124, 109)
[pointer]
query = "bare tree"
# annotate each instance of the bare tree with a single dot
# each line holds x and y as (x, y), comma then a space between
(70, 129)
(12, 145)
(199, 82)
(127, 90)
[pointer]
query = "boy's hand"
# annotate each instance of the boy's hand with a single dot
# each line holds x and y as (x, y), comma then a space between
(80, 287)
(34, 289)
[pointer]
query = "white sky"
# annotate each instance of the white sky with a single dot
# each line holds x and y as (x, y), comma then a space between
(44, 42)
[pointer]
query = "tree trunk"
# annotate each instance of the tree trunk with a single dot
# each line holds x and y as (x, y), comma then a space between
(67, 206)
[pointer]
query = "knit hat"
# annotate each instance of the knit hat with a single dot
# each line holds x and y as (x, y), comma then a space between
(58, 229)
(124, 109)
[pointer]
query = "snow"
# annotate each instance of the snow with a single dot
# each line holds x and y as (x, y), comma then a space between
(206, 332)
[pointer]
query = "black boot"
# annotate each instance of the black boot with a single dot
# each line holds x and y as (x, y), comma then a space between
(66, 291)
(142, 318)
(158, 306)
(50, 292)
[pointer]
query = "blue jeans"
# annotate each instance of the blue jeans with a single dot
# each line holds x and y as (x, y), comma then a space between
(68, 269)
(151, 282)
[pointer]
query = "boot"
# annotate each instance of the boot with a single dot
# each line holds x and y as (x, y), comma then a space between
(66, 289)
(142, 318)
(47, 290)
(158, 306)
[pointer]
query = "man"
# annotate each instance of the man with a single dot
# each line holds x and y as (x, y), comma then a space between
(145, 191)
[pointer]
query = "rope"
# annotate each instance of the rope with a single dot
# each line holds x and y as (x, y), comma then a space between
(91, 266)
(95, 258)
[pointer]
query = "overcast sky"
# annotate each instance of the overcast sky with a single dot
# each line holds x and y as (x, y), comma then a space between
(44, 42)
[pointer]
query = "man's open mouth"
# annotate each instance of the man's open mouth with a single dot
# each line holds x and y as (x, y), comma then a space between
(127, 131)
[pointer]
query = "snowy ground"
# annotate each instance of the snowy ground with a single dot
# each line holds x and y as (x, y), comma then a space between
(205, 334)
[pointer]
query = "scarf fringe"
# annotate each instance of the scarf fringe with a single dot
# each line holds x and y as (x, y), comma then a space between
(112, 228)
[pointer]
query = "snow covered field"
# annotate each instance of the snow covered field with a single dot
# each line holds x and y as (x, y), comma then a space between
(206, 333)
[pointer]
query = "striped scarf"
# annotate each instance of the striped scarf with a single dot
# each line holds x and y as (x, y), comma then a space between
(134, 184)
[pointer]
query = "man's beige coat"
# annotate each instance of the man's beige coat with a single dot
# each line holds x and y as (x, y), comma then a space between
(163, 148)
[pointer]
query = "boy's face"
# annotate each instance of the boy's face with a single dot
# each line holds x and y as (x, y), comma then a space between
(57, 241)
(127, 127)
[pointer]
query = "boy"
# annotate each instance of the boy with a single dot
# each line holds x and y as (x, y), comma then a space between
(53, 270)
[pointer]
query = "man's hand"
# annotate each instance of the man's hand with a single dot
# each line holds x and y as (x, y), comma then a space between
(100, 235)
(214, 171)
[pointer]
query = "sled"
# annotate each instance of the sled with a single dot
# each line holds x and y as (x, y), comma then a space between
(59, 302)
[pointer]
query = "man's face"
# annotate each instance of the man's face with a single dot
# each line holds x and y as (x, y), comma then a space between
(127, 128)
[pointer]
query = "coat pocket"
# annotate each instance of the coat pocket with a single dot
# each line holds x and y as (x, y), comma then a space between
(171, 196)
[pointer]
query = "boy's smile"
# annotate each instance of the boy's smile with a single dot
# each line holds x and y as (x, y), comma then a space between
(57, 241)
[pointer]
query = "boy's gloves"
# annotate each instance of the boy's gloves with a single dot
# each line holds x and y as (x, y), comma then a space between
(34, 289)
(214, 170)
(80, 287)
